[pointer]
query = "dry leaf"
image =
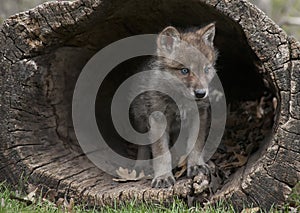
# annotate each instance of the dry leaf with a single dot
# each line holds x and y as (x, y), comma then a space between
(259, 109)
(60, 202)
(275, 103)
(69, 206)
(179, 173)
(28, 202)
(242, 160)
(251, 210)
(32, 196)
(50, 195)
(65, 206)
(29, 199)
(182, 165)
(125, 175)
(2, 202)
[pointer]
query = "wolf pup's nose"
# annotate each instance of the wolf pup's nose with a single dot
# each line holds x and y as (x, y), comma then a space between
(200, 93)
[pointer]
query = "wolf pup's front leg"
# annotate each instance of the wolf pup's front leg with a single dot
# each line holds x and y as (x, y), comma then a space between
(162, 160)
(195, 161)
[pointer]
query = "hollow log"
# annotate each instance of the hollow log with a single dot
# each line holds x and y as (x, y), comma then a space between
(43, 51)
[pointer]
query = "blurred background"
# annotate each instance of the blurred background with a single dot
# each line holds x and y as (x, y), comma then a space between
(286, 13)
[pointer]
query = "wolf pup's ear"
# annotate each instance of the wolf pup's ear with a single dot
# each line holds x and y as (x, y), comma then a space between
(168, 40)
(208, 34)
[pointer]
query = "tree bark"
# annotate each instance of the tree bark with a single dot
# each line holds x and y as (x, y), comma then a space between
(42, 52)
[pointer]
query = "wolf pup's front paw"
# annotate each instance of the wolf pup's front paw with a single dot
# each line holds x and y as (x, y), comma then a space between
(163, 181)
(195, 170)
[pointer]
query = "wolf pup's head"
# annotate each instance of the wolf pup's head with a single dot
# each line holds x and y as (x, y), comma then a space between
(190, 56)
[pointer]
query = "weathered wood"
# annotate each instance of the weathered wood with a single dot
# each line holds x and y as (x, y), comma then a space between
(42, 52)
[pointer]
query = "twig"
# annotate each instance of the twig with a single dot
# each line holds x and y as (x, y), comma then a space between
(28, 202)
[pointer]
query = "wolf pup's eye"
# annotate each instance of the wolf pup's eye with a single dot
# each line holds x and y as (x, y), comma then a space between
(184, 71)
(206, 69)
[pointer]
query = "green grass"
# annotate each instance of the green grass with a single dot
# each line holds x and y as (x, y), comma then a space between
(177, 206)
(9, 205)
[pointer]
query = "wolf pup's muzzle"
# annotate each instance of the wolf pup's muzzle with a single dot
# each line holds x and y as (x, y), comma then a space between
(200, 93)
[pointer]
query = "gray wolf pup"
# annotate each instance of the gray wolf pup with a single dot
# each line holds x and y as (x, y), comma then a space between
(194, 68)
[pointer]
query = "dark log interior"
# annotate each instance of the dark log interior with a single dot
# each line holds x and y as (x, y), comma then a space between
(239, 73)
(40, 141)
